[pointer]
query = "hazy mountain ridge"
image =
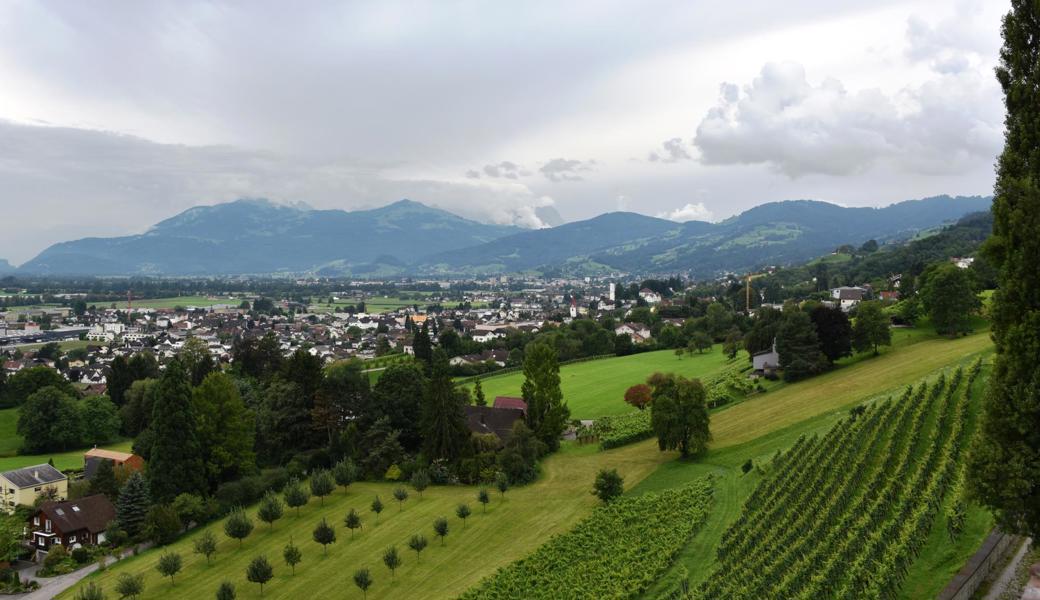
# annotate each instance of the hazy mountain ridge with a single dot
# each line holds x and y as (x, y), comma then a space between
(406, 237)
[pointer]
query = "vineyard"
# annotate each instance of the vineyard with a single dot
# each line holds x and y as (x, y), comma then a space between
(721, 388)
(844, 515)
(616, 552)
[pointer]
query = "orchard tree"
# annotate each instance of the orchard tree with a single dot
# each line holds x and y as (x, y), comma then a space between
(129, 585)
(392, 560)
(363, 580)
(420, 481)
(679, 415)
(238, 525)
(345, 473)
(639, 395)
(292, 555)
(226, 591)
(440, 527)
(352, 521)
(462, 511)
(270, 509)
(377, 507)
(260, 571)
(205, 544)
(501, 483)
(295, 495)
(169, 565)
(417, 543)
(400, 494)
(483, 497)
(322, 484)
(324, 535)
(1003, 464)
(608, 485)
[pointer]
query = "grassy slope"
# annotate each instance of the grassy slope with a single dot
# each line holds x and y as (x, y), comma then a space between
(512, 528)
(72, 459)
(596, 388)
(529, 515)
(9, 438)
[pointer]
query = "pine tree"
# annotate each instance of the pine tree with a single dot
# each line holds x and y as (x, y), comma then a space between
(175, 464)
(547, 413)
(1004, 461)
(377, 507)
(445, 433)
(132, 505)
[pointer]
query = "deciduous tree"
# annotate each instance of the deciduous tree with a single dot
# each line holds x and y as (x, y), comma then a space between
(608, 485)
(547, 413)
(679, 416)
(871, 329)
(260, 571)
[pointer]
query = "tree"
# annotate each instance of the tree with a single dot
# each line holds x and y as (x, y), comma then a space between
(352, 521)
(169, 565)
(731, 345)
(292, 555)
(198, 362)
(99, 420)
(398, 396)
(225, 429)
(718, 319)
(26, 382)
(226, 591)
(129, 585)
(270, 509)
(295, 495)
(501, 483)
(205, 544)
(136, 411)
(162, 525)
(949, 298)
(462, 511)
(104, 480)
(400, 494)
(478, 394)
(519, 459)
(547, 413)
(363, 580)
(440, 527)
(91, 591)
(345, 473)
(1002, 465)
(132, 505)
(380, 448)
(49, 420)
(238, 525)
(871, 327)
(483, 497)
(679, 416)
(259, 571)
(392, 560)
(322, 484)
(190, 508)
(798, 347)
(324, 535)
(638, 395)
(445, 433)
(699, 342)
(834, 331)
(417, 543)
(176, 462)
(608, 485)
(377, 507)
(420, 481)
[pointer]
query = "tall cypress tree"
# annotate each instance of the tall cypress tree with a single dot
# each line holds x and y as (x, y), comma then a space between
(176, 464)
(547, 414)
(444, 428)
(1005, 465)
(421, 344)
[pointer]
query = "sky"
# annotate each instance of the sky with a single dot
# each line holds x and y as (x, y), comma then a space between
(117, 114)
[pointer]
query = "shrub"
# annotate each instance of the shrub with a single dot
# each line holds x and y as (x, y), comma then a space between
(608, 485)
(81, 555)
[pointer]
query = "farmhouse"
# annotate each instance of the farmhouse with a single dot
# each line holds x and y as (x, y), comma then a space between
(849, 296)
(95, 456)
(637, 331)
(72, 523)
(23, 486)
(490, 419)
(510, 402)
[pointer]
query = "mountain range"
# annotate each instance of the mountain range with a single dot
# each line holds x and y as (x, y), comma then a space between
(406, 237)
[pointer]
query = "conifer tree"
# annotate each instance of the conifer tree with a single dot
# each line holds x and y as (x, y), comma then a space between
(445, 433)
(132, 505)
(175, 464)
(1003, 465)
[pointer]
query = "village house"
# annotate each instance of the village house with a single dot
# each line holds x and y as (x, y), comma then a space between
(848, 297)
(72, 524)
(766, 361)
(650, 296)
(637, 331)
(23, 486)
(93, 458)
(490, 419)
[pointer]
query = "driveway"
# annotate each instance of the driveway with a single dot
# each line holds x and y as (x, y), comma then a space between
(52, 586)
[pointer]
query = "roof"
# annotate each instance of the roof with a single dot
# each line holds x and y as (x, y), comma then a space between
(109, 454)
(510, 402)
(489, 419)
(92, 513)
(34, 476)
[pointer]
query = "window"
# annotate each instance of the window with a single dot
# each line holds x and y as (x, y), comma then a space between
(36, 520)
(72, 539)
(37, 489)
(47, 525)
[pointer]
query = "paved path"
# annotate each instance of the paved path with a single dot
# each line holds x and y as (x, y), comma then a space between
(1008, 574)
(52, 586)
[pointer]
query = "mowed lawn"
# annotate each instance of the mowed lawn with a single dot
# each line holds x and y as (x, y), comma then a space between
(512, 528)
(185, 301)
(9, 438)
(10, 442)
(596, 388)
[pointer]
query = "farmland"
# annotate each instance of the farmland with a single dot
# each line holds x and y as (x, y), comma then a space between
(596, 388)
(518, 524)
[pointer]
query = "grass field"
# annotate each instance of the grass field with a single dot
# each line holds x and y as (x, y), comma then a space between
(9, 438)
(10, 441)
(528, 516)
(596, 388)
(185, 301)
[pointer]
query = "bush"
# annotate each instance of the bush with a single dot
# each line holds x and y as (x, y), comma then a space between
(81, 555)
(608, 485)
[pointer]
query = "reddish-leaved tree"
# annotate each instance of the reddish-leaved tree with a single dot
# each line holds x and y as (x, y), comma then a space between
(638, 396)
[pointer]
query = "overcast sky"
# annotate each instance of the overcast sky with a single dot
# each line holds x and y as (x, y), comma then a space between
(115, 115)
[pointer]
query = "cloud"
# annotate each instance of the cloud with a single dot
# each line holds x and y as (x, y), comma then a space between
(503, 170)
(797, 128)
(563, 169)
(95, 183)
(674, 151)
(472, 174)
(690, 212)
(953, 45)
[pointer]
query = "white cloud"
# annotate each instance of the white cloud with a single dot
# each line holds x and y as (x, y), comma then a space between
(798, 128)
(689, 212)
(674, 150)
(564, 169)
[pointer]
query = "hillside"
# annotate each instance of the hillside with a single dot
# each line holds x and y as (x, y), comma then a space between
(773, 233)
(6, 267)
(257, 236)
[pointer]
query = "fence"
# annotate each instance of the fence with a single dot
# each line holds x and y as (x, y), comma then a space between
(974, 572)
